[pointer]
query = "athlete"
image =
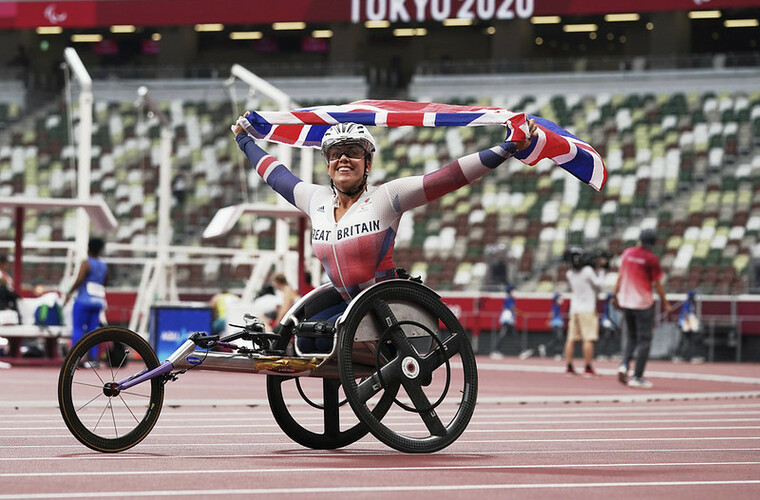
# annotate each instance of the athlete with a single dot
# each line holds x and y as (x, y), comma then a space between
(91, 296)
(354, 225)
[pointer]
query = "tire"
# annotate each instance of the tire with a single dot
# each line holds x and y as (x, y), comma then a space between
(115, 422)
(333, 423)
(419, 336)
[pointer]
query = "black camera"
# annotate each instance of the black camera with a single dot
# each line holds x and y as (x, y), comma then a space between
(579, 258)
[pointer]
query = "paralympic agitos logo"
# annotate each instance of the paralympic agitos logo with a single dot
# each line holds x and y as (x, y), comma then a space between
(53, 16)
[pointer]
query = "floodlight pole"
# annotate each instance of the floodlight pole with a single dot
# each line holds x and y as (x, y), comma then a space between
(84, 148)
(285, 155)
(164, 193)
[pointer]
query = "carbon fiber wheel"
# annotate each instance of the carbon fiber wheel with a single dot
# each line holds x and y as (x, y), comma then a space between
(420, 346)
(324, 422)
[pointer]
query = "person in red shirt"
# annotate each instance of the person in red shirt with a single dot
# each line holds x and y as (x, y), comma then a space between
(639, 273)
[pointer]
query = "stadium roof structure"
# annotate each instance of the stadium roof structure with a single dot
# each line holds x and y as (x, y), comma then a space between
(99, 213)
(226, 218)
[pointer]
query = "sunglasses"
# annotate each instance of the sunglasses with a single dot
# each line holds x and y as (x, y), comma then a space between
(353, 151)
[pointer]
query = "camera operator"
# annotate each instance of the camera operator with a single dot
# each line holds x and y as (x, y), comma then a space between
(585, 277)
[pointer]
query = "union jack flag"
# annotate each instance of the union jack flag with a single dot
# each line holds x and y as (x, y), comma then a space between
(305, 128)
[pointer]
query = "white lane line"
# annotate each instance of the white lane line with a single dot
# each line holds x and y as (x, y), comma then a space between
(480, 413)
(135, 453)
(244, 425)
(690, 408)
(630, 396)
(712, 377)
(413, 425)
(375, 489)
(333, 470)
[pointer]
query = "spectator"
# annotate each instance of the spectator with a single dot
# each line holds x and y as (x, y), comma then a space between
(179, 189)
(91, 296)
(639, 273)
(610, 329)
(9, 314)
(557, 325)
(585, 282)
(5, 272)
(688, 324)
(288, 295)
(507, 326)
(220, 304)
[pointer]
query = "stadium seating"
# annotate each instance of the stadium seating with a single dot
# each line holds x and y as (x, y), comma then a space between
(686, 163)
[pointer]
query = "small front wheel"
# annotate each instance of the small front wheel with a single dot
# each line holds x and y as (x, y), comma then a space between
(98, 414)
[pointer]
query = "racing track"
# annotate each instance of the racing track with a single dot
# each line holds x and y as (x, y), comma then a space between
(535, 433)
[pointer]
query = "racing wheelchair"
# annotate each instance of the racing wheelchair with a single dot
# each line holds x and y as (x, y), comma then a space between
(396, 348)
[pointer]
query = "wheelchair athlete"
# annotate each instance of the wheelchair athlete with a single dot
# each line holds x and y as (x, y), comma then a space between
(354, 225)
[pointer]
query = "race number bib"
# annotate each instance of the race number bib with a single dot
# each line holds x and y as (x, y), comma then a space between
(507, 317)
(96, 290)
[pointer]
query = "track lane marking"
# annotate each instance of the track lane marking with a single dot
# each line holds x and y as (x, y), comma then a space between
(378, 489)
(153, 472)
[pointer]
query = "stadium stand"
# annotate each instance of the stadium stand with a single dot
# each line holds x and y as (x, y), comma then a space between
(682, 158)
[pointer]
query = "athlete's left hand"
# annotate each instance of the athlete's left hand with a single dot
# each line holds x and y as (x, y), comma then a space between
(531, 133)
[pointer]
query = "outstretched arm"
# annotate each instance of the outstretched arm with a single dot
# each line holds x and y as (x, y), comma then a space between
(274, 173)
(411, 192)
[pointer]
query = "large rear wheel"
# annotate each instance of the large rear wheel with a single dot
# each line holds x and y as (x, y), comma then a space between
(420, 346)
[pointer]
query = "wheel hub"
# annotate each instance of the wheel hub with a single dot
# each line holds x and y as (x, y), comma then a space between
(111, 389)
(410, 367)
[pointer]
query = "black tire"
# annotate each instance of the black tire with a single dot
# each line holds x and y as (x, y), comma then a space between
(419, 335)
(115, 422)
(336, 428)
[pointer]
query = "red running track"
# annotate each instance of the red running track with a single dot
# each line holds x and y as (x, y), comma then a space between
(536, 433)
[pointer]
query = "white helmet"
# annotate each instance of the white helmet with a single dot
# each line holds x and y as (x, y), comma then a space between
(348, 133)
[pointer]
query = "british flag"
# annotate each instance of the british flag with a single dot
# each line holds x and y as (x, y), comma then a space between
(305, 128)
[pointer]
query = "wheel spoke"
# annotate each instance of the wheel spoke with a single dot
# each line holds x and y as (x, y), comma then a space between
(126, 405)
(84, 384)
(422, 404)
(105, 409)
(113, 418)
(390, 373)
(386, 319)
(435, 358)
(331, 415)
(90, 401)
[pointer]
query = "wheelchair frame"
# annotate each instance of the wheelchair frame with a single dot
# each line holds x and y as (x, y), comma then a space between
(396, 334)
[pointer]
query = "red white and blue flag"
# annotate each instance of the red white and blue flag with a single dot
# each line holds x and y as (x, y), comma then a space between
(305, 128)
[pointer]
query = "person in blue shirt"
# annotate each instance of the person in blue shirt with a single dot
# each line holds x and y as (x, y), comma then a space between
(507, 326)
(90, 287)
(556, 345)
(610, 329)
(688, 324)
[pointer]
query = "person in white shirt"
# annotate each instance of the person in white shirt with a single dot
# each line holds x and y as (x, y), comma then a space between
(585, 282)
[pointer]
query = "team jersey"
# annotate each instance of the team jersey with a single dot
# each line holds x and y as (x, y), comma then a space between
(556, 314)
(639, 267)
(92, 290)
(357, 251)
